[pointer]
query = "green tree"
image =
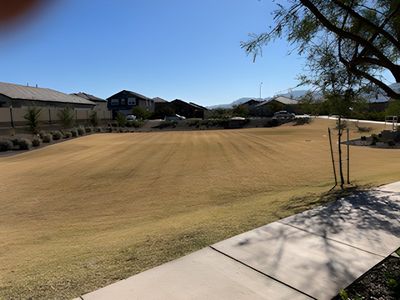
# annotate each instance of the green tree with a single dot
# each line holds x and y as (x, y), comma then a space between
(66, 117)
(393, 108)
(163, 110)
(121, 120)
(141, 113)
(240, 111)
(220, 113)
(308, 104)
(363, 34)
(32, 118)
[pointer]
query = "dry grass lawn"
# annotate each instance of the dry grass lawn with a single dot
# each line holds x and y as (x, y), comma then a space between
(81, 214)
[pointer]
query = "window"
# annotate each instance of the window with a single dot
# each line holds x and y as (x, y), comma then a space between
(131, 101)
(123, 101)
(114, 101)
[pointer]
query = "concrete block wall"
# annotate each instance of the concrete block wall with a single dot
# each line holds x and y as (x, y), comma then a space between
(49, 115)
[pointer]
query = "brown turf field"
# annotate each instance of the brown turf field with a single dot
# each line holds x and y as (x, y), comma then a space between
(78, 215)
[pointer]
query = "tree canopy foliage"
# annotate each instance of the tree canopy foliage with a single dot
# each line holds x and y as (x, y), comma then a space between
(362, 36)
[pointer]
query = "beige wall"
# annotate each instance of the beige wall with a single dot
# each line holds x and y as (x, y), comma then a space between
(4, 114)
(81, 114)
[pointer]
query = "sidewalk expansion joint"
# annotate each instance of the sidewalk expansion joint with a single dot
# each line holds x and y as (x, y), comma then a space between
(331, 239)
(260, 272)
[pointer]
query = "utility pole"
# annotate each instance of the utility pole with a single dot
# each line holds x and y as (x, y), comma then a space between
(261, 89)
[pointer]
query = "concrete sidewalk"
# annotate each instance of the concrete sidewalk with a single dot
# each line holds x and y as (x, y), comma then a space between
(356, 120)
(311, 255)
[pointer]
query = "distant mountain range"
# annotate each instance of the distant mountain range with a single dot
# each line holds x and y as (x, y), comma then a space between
(298, 94)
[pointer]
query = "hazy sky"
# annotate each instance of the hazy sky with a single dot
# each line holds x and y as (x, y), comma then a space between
(168, 48)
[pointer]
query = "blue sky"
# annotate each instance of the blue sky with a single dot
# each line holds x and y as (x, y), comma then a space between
(171, 49)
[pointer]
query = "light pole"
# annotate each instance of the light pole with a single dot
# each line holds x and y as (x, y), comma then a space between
(261, 89)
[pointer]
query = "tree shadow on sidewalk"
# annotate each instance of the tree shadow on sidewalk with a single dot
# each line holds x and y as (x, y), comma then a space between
(324, 249)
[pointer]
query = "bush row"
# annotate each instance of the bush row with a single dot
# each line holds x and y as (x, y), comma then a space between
(18, 143)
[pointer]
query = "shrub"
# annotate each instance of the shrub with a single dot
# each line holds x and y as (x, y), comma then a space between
(74, 132)
(375, 139)
(99, 129)
(66, 117)
(134, 124)
(67, 134)
(88, 129)
(122, 130)
(41, 134)
(32, 118)
(141, 113)
(166, 124)
(93, 119)
(81, 131)
(6, 145)
(272, 123)
(56, 135)
(36, 141)
(302, 121)
(22, 144)
(391, 143)
(363, 129)
(193, 123)
(364, 138)
(47, 138)
(121, 120)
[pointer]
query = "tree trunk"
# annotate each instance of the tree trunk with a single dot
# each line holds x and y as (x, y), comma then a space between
(340, 132)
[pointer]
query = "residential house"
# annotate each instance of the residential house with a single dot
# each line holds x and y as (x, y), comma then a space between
(124, 101)
(250, 106)
(180, 107)
(101, 105)
(16, 99)
(159, 100)
(269, 107)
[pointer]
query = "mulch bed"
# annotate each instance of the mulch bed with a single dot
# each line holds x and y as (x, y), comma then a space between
(382, 282)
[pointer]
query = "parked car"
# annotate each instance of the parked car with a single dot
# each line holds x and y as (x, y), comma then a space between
(284, 115)
(130, 117)
(175, 117)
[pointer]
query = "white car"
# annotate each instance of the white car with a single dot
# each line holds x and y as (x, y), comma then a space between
(130, 117)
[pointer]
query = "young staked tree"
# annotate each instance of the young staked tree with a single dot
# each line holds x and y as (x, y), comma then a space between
(341, 89)
(364, 34)
(66, 117)
(93, 118)
(32, 118)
